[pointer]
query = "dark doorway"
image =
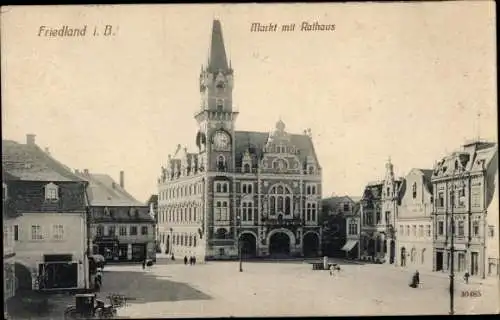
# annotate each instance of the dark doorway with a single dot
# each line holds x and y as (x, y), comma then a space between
(138, 252)
(279, 244)
(248, 245)
(439, 261)
(23, 278)
(392, 252)
(167, 245)
(474, 259)
(123, 252)
(58, 275)
(311, 245)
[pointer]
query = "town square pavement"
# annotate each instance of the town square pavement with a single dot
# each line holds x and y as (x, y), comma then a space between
(218, 289)
(285, 288)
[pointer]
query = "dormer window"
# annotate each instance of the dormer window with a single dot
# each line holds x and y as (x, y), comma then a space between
(310, 169)
(51, 192)
(246, 168)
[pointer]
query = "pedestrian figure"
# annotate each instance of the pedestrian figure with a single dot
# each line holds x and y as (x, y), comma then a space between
(194, 260)
(466, 277)
(173, 257)
(332, 270)
(185, 260)
(415, 280)
(190, 260)
(144, 264)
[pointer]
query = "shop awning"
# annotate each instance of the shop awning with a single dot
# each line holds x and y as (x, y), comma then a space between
(349, 245)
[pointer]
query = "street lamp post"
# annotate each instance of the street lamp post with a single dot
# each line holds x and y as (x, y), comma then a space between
(239, 245)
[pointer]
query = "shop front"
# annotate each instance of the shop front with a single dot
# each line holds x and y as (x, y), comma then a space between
(58, 272)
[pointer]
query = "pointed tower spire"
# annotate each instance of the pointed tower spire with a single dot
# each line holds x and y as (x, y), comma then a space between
(217, 56)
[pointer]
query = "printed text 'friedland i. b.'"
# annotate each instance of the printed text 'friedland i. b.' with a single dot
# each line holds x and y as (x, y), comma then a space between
(289, 27)
(80, 31)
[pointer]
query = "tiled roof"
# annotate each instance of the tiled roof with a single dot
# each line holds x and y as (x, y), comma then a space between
(30, 163)
(104, 191)
(474, 157)
(256, 141)
(121, 214)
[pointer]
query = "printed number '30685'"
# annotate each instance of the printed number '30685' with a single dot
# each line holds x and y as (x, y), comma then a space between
(470, 294)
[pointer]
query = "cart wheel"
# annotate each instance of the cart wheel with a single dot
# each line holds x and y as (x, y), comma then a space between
(70, 313)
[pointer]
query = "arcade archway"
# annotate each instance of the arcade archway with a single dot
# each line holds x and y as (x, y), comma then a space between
(248, 244)
(23, 278)
(279, 244)
(392, 251)
(311, 244)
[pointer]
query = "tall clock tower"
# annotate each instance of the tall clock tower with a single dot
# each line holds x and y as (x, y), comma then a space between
(216, 117)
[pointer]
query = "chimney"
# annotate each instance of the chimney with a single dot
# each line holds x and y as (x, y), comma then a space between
(77, 171)
(30, 139)
(47, 151)
(86, 172)
(122, 179)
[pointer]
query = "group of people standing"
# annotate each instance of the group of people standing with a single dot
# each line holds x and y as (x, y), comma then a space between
(192, 260)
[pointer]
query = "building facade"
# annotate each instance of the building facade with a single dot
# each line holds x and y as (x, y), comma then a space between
(463, 185)
(341, 226)
(255, 190)
(492, 266)
(51, 232)
(121, 228)
(379, 209)
(10, 215)
(414, 222)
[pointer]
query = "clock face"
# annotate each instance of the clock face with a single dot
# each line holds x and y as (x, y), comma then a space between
(221, 140)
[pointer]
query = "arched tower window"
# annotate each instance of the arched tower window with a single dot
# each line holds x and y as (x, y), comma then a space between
(280, 200)
(221, 163)
(414, 190)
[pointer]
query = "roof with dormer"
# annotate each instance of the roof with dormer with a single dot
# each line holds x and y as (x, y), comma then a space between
(473, 157)
(255, 142)
(28, 162)
(104, 191)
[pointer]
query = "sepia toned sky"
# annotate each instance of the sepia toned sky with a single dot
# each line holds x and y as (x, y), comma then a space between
(404, 80)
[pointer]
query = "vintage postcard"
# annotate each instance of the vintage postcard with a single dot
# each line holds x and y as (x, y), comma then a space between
(249, 160)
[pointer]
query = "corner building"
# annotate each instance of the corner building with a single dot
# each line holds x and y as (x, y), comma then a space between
(259, 190)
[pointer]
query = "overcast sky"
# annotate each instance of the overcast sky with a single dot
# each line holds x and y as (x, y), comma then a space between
(401, 80)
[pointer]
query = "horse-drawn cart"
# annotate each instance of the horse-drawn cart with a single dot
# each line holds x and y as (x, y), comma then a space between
(87, 306)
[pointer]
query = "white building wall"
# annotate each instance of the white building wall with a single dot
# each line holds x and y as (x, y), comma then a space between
(30, 252)
(492, 235)
(414, 225)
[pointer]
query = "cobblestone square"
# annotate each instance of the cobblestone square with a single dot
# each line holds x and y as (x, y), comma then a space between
(217, 289)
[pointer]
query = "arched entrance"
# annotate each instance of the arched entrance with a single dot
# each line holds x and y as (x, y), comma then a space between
(392, 251)
(311, 244)
(279, 244)
(248, 244)
(23, 278)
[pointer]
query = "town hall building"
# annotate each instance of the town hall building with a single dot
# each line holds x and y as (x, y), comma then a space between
(258, 192)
